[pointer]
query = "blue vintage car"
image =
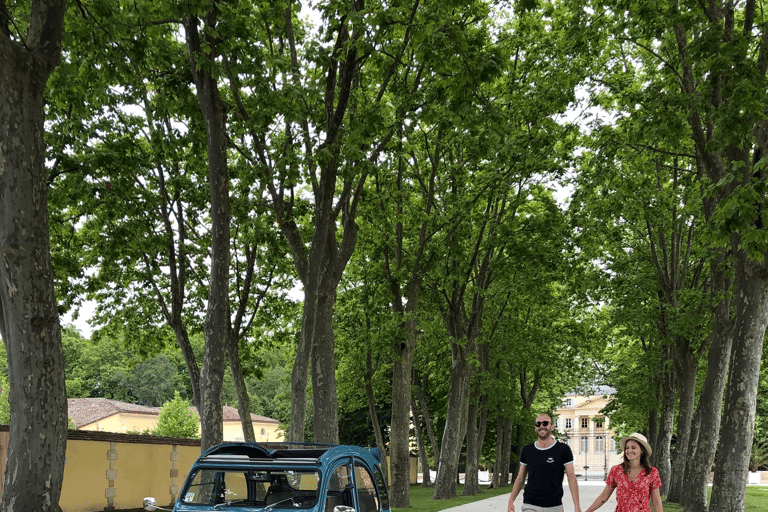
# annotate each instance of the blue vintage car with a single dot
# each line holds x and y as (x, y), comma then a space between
(247, 477)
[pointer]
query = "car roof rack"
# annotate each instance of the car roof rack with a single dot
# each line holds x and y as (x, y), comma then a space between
(251, 452)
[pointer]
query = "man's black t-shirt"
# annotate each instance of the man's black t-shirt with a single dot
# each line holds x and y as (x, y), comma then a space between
(546, 468)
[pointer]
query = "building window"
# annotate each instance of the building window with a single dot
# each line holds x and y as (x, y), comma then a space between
(585, 422)
(568, 423)
(599, 423)
(263, 431)
(584, 444)
(599, 446)
(568, 402)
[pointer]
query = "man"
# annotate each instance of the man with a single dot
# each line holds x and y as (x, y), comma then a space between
(545, 462)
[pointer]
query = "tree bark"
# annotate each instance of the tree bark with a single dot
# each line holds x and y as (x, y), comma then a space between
(369, 372)
(324, 403)
(243, 400)
(694, 496)
(216, 324)
(477, 417)
(687, 372)
(400, 426)
(427, 418)
(666, 425)
(417, 427)
(29, 319)
(456, 419)
(471, 480)
(733, 453)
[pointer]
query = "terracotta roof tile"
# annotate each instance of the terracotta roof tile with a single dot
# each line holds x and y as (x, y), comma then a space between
(85, 411)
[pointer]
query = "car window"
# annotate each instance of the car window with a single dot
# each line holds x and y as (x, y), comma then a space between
(278, 488)
(367, 496)
(340, 488)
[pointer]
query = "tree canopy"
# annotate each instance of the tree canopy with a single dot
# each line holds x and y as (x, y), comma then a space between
(403, 215)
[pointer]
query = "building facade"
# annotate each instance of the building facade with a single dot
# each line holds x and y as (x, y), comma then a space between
(581, 424)
(105, 415)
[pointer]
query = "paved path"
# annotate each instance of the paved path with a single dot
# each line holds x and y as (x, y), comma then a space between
(588, 491)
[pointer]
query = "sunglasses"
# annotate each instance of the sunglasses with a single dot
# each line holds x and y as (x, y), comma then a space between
(542, 423)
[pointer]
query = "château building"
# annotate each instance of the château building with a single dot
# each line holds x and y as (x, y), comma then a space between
(581, 424)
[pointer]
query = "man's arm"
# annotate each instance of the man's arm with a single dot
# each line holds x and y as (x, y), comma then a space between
(573, 485)
(519, 481)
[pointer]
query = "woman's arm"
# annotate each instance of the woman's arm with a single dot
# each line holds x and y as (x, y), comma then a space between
(600, 500)
(656, 500)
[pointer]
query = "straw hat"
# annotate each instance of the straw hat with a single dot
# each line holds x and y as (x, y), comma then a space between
(640, 438)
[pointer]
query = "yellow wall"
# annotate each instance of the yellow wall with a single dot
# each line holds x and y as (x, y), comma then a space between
(233, 431)
(413, 472)
(103, 474)
(122, 423)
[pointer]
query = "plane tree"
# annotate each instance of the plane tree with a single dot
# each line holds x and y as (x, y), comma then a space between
(706, 65)
(133, 196)
(30, 49)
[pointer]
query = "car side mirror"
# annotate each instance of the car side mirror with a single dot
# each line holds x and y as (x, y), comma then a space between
(343, 508)
(150, 505)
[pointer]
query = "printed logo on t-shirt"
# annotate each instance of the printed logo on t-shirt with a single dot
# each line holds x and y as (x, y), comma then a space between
(550, 460)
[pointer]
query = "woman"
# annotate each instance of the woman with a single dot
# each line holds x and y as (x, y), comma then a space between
(635, 481)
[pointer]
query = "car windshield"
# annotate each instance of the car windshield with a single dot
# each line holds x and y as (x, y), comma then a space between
(272, 489)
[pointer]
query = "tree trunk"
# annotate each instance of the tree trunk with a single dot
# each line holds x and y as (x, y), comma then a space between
(666, 425)
(29, 319)
(425, 478)
(694, 496)
(498, 466)
(399, 438)
(299, 375)
(733, 452)
(243, 400)
(216, 326)
(193, 370)
(471, 480)
(687, 372)
(507, 454)
(456, 419)
(427, 418)
(325, 408)
(369, 371)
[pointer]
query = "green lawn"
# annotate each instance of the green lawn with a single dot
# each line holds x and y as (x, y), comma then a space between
(757, 500)
(421, 498)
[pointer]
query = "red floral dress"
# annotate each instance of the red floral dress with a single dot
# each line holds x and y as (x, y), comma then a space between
(633, 496)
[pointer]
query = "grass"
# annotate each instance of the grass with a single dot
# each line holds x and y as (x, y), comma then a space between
(756, 500)
(421, 498)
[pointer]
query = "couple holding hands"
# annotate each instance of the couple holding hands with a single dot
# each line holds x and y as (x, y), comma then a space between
(545, 462)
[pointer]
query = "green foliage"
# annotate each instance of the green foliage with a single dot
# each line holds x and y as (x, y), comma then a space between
(176, 419)
(758, 459)
(5, 406)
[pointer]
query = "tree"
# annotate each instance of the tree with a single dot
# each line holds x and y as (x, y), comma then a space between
(709, 62)
(176, 419)
(30, 46)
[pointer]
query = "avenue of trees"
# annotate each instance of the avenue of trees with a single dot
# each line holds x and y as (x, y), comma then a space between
(401, 166)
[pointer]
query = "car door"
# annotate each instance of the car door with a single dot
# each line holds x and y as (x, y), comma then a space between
(370, 489)
(340, 487)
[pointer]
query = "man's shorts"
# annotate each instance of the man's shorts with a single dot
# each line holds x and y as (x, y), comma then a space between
(527, 507)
